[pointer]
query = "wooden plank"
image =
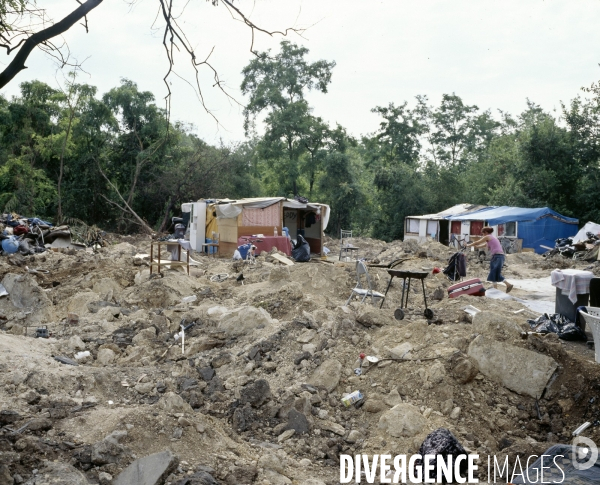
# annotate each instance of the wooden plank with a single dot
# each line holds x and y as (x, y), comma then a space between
(264, 230)
(282, 259)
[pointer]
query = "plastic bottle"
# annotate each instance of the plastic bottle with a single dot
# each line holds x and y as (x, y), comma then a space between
(275, 231)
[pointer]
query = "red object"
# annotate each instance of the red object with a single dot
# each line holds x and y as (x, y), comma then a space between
(362, 356)
(476, 227)
(436, 270)
(20, 229)
(472, 287)
(266, 243)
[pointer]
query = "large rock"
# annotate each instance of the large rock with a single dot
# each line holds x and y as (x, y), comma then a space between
(109, 450)
(403, 420)
(243, 320)
(402, 351)
(370, 316)
(25, 294)
(327, 375)
(149, 470)
(256, 394)
(496, 326)
(174, 403)
(58, 473)
(517, 369)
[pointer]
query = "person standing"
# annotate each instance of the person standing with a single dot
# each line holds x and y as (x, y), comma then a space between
(497, 262)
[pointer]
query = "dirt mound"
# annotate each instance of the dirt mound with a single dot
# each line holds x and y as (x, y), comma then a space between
(254, 392)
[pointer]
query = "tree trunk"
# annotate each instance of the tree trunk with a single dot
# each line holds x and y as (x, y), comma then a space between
(165, 222)
(59, 216)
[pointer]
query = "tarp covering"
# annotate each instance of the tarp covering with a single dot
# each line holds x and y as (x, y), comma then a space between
(501, 215)
(589, 227)
(544, 232)
(537, 227)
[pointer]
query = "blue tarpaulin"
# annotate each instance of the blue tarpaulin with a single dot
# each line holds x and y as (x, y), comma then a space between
(536, 227)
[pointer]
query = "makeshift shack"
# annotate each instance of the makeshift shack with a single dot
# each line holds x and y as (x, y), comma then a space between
(234, 220)
(437, 225)
(533, 228)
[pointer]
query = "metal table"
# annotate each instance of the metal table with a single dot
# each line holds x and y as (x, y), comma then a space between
(408, 275)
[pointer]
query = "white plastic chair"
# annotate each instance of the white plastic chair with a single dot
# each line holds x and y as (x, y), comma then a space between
(592, 320)
(361, 269)
(346, 245)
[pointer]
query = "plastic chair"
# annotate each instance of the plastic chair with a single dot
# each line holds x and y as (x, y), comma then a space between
(346, 245)
(592, 321)
(361, 269)
(213, 244)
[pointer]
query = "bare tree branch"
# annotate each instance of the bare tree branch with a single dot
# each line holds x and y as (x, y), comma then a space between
(127, 207)
(43, 36)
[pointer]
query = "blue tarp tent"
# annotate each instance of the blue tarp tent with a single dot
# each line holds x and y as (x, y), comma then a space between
(536, 227)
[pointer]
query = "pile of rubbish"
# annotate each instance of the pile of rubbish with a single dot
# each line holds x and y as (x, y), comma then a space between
(29, 236)
(586, 250)
(113, 375)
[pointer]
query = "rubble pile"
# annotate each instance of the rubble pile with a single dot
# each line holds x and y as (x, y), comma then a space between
(184, 379)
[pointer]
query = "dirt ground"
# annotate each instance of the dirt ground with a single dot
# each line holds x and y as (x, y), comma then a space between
(274, 354)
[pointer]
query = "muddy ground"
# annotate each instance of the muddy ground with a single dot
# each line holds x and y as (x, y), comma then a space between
(255, 395)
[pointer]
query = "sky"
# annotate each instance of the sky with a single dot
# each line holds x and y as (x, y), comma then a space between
(494, 54)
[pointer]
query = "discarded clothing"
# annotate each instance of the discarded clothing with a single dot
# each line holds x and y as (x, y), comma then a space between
(457, 267)
(441, 442)
(572, 282)
(558, 324)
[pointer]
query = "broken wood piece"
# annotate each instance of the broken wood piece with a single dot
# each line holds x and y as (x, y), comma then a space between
(282, 259)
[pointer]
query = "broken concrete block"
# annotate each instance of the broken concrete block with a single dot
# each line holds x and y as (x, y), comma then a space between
(55, 472)
(403, 420)
(327, 375)
(149, 470)
(373, 317)
(401, 351)
(517, 369)
(243, 320)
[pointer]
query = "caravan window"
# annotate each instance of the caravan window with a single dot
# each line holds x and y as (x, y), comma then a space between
(412, 226)
(508, 229)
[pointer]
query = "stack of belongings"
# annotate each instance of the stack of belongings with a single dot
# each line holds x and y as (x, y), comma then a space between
(586, 250)
(28, 235)
(591, 246)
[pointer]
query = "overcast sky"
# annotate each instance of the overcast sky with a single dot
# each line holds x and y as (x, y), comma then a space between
(494, 54)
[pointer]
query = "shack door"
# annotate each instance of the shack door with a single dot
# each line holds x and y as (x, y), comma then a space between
(476, 227)
(455, 228)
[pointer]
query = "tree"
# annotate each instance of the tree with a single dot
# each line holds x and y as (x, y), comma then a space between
(277, 85)
(19, 31)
